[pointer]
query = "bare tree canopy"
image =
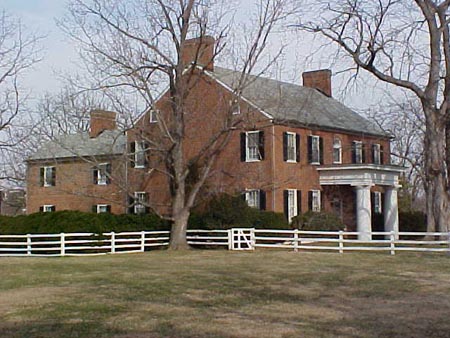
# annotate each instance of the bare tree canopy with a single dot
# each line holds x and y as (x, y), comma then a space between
(137, 48)
(406, 44)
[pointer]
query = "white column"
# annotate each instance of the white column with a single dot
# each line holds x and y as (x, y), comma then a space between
(363, 213)
(391, 210)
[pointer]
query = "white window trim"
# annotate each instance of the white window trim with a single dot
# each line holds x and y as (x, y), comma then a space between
(154, 114)
(99, 175)
(358, 148)
(315, 137)
(295, 205)
(139, 147)
(99, 206)
(377, 196)
(378, 152)
(318, 207)
(235, 107)
(340, 150)
(247, 197)
(294, 135)
(247, 148)
(47, 168)
(47, 207)
(137, 204)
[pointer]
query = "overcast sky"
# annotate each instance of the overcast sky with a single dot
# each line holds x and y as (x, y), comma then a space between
(59, 55)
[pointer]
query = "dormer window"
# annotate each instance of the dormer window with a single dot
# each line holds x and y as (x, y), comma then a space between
(154, 116)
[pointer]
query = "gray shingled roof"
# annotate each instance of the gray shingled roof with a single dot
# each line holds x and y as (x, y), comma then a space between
(307, 106)
(109, 142)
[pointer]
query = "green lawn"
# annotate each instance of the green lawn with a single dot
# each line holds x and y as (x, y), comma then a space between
(226, 294)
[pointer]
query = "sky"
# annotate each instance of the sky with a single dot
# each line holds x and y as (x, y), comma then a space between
(59, 55)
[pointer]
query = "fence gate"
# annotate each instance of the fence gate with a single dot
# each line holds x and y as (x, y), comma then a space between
(242, 239)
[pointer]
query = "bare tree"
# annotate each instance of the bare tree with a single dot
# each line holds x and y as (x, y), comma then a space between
(137, 45)
(406, 44)
(18, 52)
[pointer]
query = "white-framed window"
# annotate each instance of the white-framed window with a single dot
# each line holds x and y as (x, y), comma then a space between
(140, 154)
(153, 118)
(252, 198)
(315, 201)
(337, 151)
(291, 147)
(102, 174)
(377, 202)
(140, 201)
(252, 146)
(48, 176)
(315, 149)
(235, 107)
(376, 153)
(48, 208)
(357, 152)
(103, 208)
(292, 204)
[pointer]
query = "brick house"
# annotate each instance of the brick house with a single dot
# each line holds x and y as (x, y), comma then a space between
(294, 149)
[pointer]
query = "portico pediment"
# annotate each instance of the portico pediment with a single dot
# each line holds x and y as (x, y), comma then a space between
(360, 174)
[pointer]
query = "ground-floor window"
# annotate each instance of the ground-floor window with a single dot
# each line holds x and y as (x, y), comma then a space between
(252, 198)
(376, 196)
(140, 202)
(315, 201)
(102, 208)
(47, 208)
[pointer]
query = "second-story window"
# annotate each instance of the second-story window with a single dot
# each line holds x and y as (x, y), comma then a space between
(315, 149)
(357, 152)
(102, 174)
(140, 154)
(47, 176)
(337, 151)
(376, 154)
(252, 146)
(291, 147)
(154, 116)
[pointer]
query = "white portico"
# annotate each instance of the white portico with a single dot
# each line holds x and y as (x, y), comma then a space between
(363, 177)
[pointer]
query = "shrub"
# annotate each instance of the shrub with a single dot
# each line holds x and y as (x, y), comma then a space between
(412, 221)
(317, 221)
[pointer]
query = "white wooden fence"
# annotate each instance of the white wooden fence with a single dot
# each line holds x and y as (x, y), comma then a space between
(76, 244)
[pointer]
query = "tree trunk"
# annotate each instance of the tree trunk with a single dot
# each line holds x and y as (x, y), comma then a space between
(438, 213)
(178, 240)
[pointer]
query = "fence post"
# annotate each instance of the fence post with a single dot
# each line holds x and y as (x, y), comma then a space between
(296, 240)
(341, 242)
(28, 244)
(113, 242)
(252, 239)
(448, 238)
(63, 244)
(392, 243)
(230, 239)
(142, 241)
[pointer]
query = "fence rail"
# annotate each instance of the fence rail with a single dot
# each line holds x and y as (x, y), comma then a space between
(76, 244)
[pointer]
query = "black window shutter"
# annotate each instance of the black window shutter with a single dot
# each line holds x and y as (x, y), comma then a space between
(108, 173)
(53, 183)
(286, 203)
(94, 208)
(285, 146)
(322, 200)
(41, 209)
(261, 145)
(262, 200)
(353, 152)
(108, 209)
(373, 153)
(297, 147)
(381, 155)
(95, 176)
(52, 208)
(146, 201)
(310, 149)
(41, 177)
(130, 205)
(132, 152)
(299, 202)
(372, 202)
(243, 147)
(321, 150)
(363, 151)
(310, 200)
(147, 154)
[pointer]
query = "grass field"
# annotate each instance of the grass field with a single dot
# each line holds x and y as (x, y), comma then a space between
(226, 294)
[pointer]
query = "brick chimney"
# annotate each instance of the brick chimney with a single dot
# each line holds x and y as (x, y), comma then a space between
(101, 120)
(318, 79)
(199, 51)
